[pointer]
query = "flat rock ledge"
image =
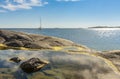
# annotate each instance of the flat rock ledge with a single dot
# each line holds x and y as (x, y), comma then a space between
(18, 39)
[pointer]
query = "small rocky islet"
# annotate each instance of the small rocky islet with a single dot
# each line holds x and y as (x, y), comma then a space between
(81, 60)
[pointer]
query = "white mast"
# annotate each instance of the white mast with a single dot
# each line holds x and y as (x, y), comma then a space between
(40, 24)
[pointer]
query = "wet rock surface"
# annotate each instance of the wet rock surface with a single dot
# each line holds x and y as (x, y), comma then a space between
(32, 65)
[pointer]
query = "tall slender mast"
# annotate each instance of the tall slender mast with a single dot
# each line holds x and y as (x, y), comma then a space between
(40, 24)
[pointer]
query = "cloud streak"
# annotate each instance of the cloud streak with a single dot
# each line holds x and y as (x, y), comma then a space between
(12, 5)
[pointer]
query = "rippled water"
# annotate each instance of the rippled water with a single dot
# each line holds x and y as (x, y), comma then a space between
(99, 39)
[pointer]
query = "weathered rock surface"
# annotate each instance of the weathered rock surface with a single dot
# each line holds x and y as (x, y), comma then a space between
(18, 39)
(64, 65)
(32, 65)
(77, 66)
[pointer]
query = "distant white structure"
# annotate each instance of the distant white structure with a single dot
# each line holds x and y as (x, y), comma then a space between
(40, 24)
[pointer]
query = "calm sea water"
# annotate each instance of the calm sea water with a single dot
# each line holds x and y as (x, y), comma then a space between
(98, 39)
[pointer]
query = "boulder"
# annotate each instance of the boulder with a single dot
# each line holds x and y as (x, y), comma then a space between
(32, 65)
(15, 59)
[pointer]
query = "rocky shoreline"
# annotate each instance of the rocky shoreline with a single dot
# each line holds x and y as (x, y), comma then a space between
(94, 64)
(13, 39)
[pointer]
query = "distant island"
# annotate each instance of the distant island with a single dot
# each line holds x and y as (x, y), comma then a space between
(105, 27)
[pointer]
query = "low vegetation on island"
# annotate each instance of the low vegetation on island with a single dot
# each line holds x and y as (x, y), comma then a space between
(105, 27)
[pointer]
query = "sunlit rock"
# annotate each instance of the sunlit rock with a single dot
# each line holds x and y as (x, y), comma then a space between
(18, 39)
(32, 65)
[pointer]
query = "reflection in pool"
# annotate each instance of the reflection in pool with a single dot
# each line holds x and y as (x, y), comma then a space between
(61, 65)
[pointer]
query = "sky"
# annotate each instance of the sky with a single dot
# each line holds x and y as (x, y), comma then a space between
(59, 13)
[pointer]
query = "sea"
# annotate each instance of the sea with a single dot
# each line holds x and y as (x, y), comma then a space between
(101, 39)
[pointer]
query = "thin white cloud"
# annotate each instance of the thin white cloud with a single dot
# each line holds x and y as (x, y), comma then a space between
(68, 0)
(13, 5)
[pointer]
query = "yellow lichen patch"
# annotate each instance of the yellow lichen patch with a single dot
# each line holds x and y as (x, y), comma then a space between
(80, 48)
(57, 48)
(23, 48)
(42, 65)
(46, 62)
(2, 46)
(68, 48)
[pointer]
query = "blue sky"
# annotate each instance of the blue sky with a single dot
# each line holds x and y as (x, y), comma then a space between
(59, 13)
